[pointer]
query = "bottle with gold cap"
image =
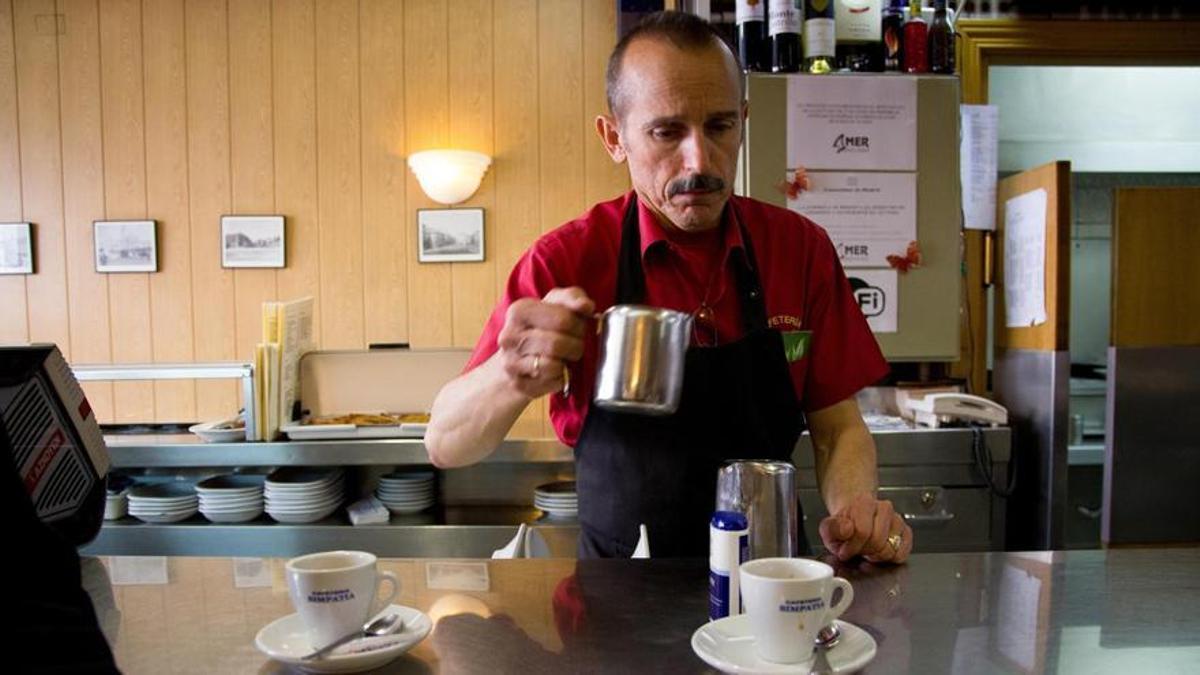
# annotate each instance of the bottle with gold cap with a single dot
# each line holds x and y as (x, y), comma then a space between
(820, 36)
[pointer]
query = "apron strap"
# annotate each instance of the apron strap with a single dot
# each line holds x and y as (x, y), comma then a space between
(631, 278)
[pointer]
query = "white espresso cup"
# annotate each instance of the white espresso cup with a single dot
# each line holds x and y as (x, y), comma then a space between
(788, 601)
(334, 592)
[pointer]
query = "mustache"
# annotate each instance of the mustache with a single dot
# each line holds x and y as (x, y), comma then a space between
(698, 183)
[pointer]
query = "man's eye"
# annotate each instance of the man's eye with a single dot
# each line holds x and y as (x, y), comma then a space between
(720, 126)
(663, 133)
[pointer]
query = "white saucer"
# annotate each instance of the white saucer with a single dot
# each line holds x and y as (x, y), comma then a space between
(285, 641)
(726, 644)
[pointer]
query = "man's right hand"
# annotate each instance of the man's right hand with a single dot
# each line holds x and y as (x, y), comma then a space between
(539, 337)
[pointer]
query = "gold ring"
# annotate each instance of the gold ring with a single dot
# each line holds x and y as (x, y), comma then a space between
(895, 540)
(537, 362)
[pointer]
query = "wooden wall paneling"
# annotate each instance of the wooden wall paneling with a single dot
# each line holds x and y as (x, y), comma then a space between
(471, 118)
(252, 163)
(426, 117)
(14, 319)
(1155, 279)
(386, 247)
(339, 175)
(517, 222)
(209, 197)
(561, 123)
(294, 93)
(165, 90)
(41, 170)
(122, 101)
(603, 178)
(83, 193)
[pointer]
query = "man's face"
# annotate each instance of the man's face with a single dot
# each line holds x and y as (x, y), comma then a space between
(680, 127)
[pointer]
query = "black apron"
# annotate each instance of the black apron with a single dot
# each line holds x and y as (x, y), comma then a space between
(738, 403)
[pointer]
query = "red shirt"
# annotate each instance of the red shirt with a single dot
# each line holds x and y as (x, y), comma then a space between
(802, 278)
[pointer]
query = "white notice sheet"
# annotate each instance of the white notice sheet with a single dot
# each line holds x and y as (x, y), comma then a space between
(1025, 259)
(862, 122)
(978, 165)
(868, 215)
(877, 295)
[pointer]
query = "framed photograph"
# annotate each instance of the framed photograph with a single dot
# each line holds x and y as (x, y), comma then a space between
(16, 248)
(449, 235)
(125, 245)
(252, 241)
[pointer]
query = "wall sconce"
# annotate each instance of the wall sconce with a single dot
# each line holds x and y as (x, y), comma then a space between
(449, 176)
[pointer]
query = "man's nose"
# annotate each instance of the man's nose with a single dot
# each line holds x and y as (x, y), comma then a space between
(696, 153)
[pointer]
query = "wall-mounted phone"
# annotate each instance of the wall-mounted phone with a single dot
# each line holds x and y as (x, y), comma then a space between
(936, 410)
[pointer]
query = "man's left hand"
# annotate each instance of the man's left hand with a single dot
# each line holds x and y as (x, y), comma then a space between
(868, 527)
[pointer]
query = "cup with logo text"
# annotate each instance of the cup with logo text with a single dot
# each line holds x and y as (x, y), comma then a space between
(788, 601)
(334, 592)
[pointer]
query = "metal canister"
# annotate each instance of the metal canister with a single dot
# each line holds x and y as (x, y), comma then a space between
(765, 491)
(642, 353)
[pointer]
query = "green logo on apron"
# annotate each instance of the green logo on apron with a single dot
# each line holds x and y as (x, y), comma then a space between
(795, 344)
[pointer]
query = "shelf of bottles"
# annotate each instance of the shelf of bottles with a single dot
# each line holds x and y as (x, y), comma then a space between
(823, 36)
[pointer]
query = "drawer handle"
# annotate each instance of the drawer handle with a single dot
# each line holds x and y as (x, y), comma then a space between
(943, 517)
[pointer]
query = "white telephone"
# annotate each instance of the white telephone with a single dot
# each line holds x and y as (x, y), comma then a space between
(936, 410)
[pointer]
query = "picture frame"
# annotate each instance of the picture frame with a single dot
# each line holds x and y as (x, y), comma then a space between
(450, 235)
(123, 246)
(16, 248)
(253, 242)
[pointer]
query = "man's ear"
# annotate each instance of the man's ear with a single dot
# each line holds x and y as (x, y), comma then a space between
(610, 135)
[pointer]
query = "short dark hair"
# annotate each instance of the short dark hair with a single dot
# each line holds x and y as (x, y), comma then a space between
(682, 29)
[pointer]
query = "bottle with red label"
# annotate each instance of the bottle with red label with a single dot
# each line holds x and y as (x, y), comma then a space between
(916, 36)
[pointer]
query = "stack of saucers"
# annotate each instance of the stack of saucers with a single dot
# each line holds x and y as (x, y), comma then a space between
(303, 495)
(163, 502)
(231, 498)
(408, 492)
(558, 499)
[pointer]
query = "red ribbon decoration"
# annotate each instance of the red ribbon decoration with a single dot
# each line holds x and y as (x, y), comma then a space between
(792, 188)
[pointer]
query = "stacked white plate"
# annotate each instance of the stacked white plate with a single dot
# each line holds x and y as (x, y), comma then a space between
(409, 492)
(558, 499)
(163, 502)
(303, 495)
(231, 498)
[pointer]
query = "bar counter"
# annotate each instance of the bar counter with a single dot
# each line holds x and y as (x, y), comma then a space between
(1077, 611)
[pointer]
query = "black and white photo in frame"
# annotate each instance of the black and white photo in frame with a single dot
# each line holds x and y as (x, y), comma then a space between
(16, 248)
(450, 235)
(252, 241)
(125, 245)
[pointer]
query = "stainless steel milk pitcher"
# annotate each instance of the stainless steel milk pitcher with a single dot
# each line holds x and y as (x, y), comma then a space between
(765, 491)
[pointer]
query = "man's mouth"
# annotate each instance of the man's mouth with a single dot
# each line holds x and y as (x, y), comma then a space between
(695, 186)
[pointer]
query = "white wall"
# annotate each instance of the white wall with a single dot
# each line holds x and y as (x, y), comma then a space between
(1119, 119)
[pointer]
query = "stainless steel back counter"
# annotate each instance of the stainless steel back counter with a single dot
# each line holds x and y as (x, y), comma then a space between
(931, 474)
(1117, 611)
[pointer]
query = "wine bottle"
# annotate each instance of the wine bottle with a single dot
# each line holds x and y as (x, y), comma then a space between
(916, 36)
(941, 41)
(859, 43)
(752, 35)
(820, 36)
(893, 34)
(784, 19)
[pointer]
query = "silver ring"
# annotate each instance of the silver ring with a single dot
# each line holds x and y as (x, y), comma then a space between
(537, 362)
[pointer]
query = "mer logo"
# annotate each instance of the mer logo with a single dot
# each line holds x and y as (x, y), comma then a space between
(854, 143)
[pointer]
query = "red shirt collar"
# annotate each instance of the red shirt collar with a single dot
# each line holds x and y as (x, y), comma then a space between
(652, 233)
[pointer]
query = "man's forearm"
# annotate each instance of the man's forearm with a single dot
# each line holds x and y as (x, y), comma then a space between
(844, 455)
(472, 415)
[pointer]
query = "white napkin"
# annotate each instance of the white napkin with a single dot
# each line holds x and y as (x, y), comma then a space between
(526, 543)
(642, 550)
(368, 511)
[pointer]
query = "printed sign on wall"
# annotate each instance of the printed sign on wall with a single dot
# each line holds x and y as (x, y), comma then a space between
(850, 123)
(877, 297)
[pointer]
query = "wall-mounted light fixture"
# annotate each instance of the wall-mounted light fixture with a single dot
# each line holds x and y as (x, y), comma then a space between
(449, 176)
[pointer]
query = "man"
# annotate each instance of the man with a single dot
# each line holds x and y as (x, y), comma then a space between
(777, 330)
